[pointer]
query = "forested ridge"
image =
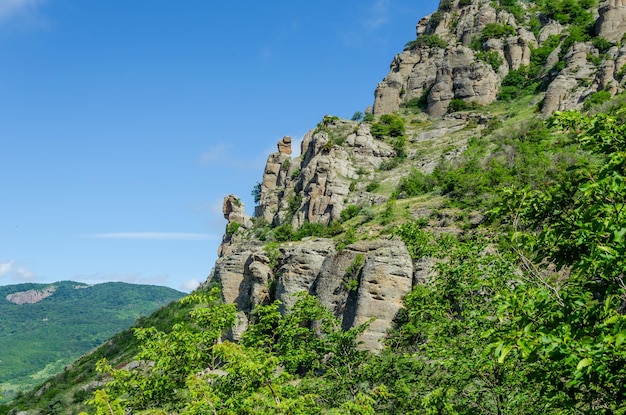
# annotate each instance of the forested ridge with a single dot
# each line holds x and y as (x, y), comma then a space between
(522, 225)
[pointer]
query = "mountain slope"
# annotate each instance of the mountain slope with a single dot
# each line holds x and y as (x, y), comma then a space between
(43, 327)
(476, 246)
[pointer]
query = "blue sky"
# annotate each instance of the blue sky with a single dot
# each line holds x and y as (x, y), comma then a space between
(123, 124)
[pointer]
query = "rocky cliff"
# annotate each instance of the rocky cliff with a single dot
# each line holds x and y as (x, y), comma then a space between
(469, 53)
(466, 49)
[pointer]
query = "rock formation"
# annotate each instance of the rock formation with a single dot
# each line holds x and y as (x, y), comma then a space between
(458, 68)
(365, 281)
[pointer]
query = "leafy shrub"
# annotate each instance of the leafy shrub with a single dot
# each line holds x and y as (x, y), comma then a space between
(463, 3)
(574, 12)
(295, 174)
(232, 228)
(496, 31)
(369, 117)
(539, 56)
(350, 212)
(390, 164)
(389, 124)
(416, 183)
(357, 116)
(283, 233)
(431, 41)
(517, 83)
(595, 99)
(372, 186)
(256, 193)
(602, 44)
(492, 58)
(351, 273)
(457, 104)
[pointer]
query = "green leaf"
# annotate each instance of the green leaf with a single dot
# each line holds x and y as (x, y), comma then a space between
(620, 338)
(584, 363)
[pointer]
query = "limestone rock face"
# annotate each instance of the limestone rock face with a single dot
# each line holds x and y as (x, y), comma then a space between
(611, 23)
(300, 265)
(314, 266)
(284, 145)
(234, 213)
(314, 186)
(386, 277)
(459, 70)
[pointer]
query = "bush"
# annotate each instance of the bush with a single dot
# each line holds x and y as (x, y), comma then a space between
(463, 3)
(389, 124)
(232, 228)
(416, 183)
(602, 44)
(372, 186)
(595, 99)
(517, 83)
(461, 105)
(357, 116)
(496, 31)
(431, 41)
(256, 193)
(350, 212)
(491, 58)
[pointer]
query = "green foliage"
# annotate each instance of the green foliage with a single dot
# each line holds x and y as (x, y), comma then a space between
(73, 320)
(256, 193)
(272, 251)
(232, 228)
(388, 125)
(351, 274)
(416, 183)
(190, 371)
(372, 186)
(424, 40)
(539, 56)
(602, 44)
(496, 31)
(574, 328)
(463, 3)
(350, 212)
(357, 116)
(596, 98)
(574, 12)
(491, 58)
(369, 117)
(519, 82)
(457, 104)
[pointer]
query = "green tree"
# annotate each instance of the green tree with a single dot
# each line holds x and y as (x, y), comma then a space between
(573, 324)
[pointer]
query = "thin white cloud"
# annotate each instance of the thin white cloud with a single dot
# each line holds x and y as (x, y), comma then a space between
(378, 15)
(190, 285)
(5, 267)
(217, 153)
(24, 9)
(14, 273)
(154, 236)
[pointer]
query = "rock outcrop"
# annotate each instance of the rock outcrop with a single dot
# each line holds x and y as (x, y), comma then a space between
(466, 64)
(314, 186)
(611, 23)
(469, 50)
(384, 276)
(30, 296)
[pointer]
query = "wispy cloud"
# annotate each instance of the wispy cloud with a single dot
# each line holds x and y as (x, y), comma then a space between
(20, 9)
(190, 285)
(10, 270)
(377, 15)
(217, 153)
(154, 236)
